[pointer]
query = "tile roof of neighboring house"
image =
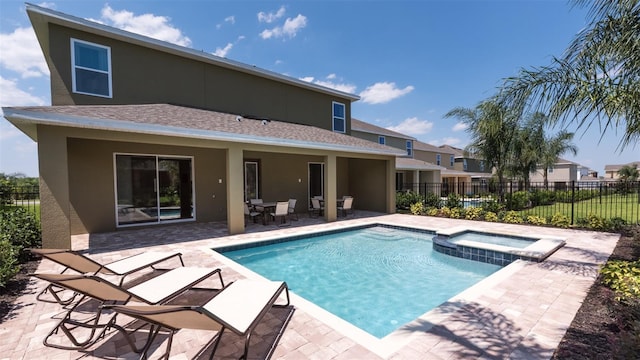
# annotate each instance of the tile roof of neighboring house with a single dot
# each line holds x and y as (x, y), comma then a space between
(618, 167)
(403, 163)
(180, 121)
(459, 153)
(419, 145)
(450, 172)
(359, 125)
(40, 18)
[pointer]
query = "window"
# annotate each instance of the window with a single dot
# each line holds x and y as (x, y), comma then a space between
(382, 140)
(550, 169)
(451, 160)
(399, 181)
(438, 159)
(90, 68)
(251, 183)
(153, 189)
(481, 165)
(409, 148)
(465, 166)
(339, 120)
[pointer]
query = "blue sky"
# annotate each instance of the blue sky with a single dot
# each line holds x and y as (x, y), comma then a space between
(410, 61)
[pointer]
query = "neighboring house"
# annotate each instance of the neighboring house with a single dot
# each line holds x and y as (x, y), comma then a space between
(410, 170)
(611, 171)
(562, 171)
(143, 132)
(469, 175)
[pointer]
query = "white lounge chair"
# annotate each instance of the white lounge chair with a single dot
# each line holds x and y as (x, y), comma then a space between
(281, 211)
(239, 307)
(347, 206)
(292, 208)
(78, 262)
(316, 207)
(157, 290)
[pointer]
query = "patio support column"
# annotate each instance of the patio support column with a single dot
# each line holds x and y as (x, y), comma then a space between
(415, 181)
(330, 187)
(55, 205)
(390, 191)
(235, 189)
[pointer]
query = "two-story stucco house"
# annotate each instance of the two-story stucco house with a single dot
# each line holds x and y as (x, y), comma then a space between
(143, 132)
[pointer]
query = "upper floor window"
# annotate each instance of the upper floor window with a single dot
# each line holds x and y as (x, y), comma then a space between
(465, 166)
(409, 148)
(382, 140)
(481, 165)
(339, 120)
(90, 68)
(451, 160)
(438, 160)
(550, 169)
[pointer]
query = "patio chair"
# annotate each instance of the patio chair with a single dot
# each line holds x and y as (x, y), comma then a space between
(255, 203)
(250, 214)
(74, 260)
(316, 207)
(239, 307)
(347, 206)
(83, 332)
(292, 208)
(281, 211)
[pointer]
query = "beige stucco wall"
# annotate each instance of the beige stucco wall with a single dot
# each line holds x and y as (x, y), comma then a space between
(561, 173)
(367, 184)
(431, 157)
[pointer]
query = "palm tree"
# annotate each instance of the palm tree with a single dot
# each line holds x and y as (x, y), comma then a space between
(551, 149)
(629, 173)
(527, 150)
(598, 78)
(492, 128)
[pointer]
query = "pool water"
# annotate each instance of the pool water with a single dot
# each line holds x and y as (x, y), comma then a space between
(376, 278)
(502, 240)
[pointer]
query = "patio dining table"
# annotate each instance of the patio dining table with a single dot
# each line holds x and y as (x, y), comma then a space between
(267, 207)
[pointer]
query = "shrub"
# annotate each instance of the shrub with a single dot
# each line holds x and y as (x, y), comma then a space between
(512, 217)
(517, 200)
(456, 213)
(560, 220)
(417, 208)
(490, 216)
(8, 262)
(542, 197)
(536, 220)
(492, 206)
(445, 211)
(623, 277)
(453, 201)
(433, 211)
(20, 228)
(433, 200)
(473, 213)
(405, 199)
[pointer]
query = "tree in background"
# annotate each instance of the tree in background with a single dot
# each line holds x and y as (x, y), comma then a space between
(598, 78)
(551, 149)
(527, 148)
(492, 128)
(629, 173)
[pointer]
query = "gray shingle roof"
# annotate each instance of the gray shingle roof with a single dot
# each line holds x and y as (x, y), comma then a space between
(173, 120)
(359, 125)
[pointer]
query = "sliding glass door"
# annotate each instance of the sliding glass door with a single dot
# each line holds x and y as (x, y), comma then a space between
(152, 188)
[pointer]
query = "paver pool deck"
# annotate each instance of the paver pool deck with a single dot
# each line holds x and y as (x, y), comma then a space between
(520, 312)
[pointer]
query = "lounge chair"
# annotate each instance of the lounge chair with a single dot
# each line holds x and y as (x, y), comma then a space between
(292, 208)
(74, 260)
(281, 211)
(157, 290)
(239, 307)
(347, 206)
(316, 207)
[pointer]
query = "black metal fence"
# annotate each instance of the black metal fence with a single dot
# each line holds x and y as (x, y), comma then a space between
(574, 199)
(26, 196)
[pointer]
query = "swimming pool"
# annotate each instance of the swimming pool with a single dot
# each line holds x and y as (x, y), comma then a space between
(494, 239)
(377, 278)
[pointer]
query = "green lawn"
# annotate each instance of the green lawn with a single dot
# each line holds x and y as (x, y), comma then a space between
(626, 207)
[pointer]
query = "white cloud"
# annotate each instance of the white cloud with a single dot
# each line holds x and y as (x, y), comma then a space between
(289, 29)
(459, 127)
(271, 16)
(229, 19)
(11, 95)
(344, 87)
(21, 53)
(48, 5)
(383, 92)
(446, 141)
(331, 76)
(413, 127)
(222, 52)
(157, 27)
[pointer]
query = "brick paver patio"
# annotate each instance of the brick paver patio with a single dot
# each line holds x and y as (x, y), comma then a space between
(521, 312)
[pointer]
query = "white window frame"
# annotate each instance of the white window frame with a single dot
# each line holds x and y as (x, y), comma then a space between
(451, 160)
(74, 66)
(382, 140)
(481, 165)
(465, 164)
(409, 145)
(438, 159)
(334, 117)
